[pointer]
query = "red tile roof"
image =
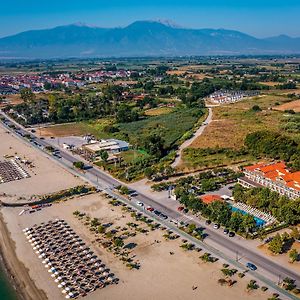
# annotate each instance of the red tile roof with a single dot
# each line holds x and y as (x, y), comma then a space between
(277, 171)
(211, 198)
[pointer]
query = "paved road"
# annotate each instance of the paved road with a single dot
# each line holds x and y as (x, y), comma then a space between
(189, 141)
(217, 243)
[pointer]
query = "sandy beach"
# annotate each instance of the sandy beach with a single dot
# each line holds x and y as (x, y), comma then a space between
(162, 276)
(45, 175)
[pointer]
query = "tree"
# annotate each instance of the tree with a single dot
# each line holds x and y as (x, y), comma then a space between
(248, 223)
(126, 114)
(149, 172)
(293, 255)
(103, 154)
(118, 242)
(78, 165)
(256, 108)
(295, 234)
(27, 95)
(252, 285)
(154, 145)
(276, 245)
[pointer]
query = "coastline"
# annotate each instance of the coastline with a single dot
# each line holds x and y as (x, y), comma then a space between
(17, 273)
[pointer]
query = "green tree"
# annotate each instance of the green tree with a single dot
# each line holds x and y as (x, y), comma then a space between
(118, 242)
(103, 154)
(149, 172)
(27, 95)
(276, 245)
(248, 223)
(293, 255)
(154, 145)
(78, 164)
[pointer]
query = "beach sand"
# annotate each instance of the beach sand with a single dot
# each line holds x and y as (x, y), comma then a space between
(46, 176)
(162, 276)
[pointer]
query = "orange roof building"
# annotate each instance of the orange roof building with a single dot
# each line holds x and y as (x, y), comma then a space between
(275, 176)
(207, 199)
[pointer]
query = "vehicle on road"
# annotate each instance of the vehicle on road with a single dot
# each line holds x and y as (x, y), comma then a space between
(251, 266)
(163, 216)
(180, 208)
(149, 208)
(216, 226)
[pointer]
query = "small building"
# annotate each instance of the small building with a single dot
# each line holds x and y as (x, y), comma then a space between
(112, 146)
(207, 199)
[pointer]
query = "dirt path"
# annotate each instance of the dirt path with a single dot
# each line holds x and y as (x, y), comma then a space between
(24, 285)
(191, 140)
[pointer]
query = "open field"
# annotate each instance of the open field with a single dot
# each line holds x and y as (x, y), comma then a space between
(228, 129)
(293, 105)
(170, 127)
(76, 129)
(231, 123)
(46, 176)
(158, 111)
(161, 276)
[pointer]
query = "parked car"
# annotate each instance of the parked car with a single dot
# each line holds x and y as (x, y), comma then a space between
(208, 222)
(225, 231)
(156, 212)
(251, 266)
(231, 234)
(139, 203)
(180, 208)
(216, 226)
(149, 208)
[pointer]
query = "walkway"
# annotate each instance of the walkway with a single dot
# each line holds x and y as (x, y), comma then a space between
(192, 139)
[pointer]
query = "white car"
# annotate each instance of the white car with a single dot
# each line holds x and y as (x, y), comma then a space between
(139, 203)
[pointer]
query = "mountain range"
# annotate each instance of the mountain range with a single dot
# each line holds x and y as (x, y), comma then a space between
(141, 38)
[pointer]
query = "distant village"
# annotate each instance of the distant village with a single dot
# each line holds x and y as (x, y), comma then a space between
(13, 84)
(226, 96)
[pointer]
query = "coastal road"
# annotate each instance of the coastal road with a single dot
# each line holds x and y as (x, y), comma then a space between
(188, 142)
(217, 243)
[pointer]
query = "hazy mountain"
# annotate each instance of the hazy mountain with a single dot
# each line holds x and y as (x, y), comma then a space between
(142, 38)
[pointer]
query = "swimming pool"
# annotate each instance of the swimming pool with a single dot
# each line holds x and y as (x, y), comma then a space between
(259, 222)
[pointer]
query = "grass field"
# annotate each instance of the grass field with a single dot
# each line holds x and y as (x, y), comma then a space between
(231, 123)
(169, 126)
(158, 111)
(78, 128)
(196, 159)
(132, 156)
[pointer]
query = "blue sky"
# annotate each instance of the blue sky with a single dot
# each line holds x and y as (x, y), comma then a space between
(260, 18)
